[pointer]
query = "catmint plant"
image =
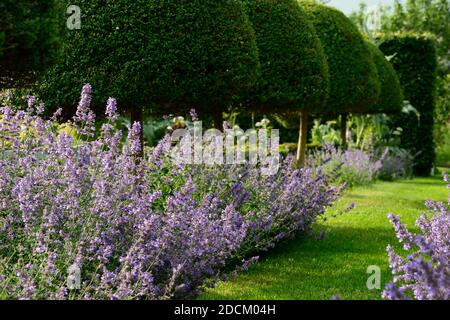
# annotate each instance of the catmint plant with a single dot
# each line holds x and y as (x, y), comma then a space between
(130, 227)
(424, 274)
(353, 166)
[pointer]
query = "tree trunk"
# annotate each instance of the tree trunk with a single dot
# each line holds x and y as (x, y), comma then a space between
(302, 139)
(137, 115)
(344, 130)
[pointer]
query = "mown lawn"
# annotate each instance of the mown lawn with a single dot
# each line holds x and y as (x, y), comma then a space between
(307, 268)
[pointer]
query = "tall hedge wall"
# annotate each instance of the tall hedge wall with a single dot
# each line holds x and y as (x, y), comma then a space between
(415, 62)
(391, 96)
(160, 54)
(354, 84)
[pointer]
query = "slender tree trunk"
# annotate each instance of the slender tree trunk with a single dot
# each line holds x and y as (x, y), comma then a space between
(344, 130)
(302, 139)
(137, 115)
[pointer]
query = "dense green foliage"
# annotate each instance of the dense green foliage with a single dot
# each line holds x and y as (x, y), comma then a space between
(420, 16)
(414, 59)
(353, 75)
(162, 55)
(391, 96)
(27, 40)
(294, 70)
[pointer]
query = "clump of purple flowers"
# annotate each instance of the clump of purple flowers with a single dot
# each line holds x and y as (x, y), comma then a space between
(276, 207)
(93, 204)
(353, 166)
(135, 228)
(425, 273)
(396, 164)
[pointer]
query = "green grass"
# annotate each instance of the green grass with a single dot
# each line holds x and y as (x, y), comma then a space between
(306, 268)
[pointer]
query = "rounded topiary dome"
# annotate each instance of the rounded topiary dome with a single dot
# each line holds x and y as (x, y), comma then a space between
(391, 96)
(294, 71)
(167, 54)
(354, 84)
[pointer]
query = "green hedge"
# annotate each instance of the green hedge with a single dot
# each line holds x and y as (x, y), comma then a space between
(353, 75)
(294, 70)
(391, 96)
(163, 55)
(415, 62)
(28, 40)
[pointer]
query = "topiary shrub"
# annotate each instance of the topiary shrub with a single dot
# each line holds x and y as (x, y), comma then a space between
(414, 59)
(354, 84)
(159, 54)
(27, 40)
(391, 96)
(294, 71)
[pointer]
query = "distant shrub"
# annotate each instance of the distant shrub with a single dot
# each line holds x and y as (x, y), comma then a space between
(396, 163)
(443, 149)
(324, 133)
(425, 273)
(353, 167)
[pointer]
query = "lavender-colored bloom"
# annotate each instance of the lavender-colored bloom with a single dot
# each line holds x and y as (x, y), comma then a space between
(135, 229)
(134, 138)
(31, 100)
(355, 167)
(193, 114)
(111, 109)
(40, 108)
(425, 273)
(84, 115)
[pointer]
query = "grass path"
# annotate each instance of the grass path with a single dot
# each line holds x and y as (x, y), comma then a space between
(306, 268)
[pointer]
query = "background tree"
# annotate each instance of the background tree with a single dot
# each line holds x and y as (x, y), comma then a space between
(161, 55)
(28, 41)
(294, 72)
(354, 84)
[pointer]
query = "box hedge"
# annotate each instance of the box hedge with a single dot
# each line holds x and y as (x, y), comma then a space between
(163, 55)
(294, 70)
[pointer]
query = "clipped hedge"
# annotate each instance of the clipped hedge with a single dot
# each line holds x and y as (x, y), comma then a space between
(28, 39)
(163, 55)
(415, 60)
(294, 70)
(354, 84)
(391, 96)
